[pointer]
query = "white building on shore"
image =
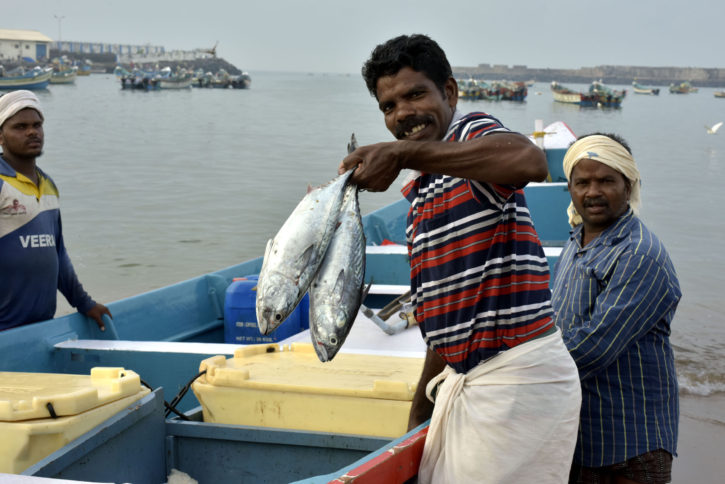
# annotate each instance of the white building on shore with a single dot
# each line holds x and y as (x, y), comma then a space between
(28, 45)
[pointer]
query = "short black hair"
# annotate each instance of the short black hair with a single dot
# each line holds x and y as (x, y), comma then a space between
(611, 136)
(419, 52)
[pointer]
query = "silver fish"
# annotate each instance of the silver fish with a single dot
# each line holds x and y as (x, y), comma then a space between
(337, 290)
(293, 257)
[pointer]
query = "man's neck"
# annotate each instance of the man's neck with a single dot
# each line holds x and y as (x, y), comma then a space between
(589, 235)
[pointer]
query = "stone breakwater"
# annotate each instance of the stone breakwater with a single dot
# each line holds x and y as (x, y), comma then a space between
(107, 63)
(658, 76)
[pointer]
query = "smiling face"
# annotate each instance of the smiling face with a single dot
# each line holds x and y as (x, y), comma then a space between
(21, 136)
(414, 107)
(600, 195)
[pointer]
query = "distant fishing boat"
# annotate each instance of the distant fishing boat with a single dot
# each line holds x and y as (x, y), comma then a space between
(64, 76)
(682, 88)
(606, 96)
(169, 80)
(598, 95)
(563, 94)
(224, 80)
(19, 78)
(469, 89)
(140, 81)
(719, 93)
(513, 91)
(84, 69)
(640, 89)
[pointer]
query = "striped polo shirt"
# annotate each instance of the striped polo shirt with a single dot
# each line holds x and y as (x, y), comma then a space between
(614, 301)
(479, 277)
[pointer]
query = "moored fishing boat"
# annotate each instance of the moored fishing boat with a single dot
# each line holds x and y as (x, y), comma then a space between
(640, 89)
(140, 82)
(20, 78)
(469, 89)
(164, 335)
(682, 88)
(64, 75)
(606, 96)
(720, 94)
(513, 91)
(598, 95)
(178, 80)
(563, 94)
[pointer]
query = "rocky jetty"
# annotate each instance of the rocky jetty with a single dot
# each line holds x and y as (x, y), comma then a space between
(107, 63)
(657, 76)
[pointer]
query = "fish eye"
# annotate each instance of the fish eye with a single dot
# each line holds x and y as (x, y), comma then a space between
(333, 341)
(278, 317)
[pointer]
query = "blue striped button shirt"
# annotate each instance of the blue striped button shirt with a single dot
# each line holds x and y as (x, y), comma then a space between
(614, 300)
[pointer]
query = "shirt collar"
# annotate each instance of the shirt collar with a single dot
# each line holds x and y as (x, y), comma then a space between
(6, 169)
(610, 236)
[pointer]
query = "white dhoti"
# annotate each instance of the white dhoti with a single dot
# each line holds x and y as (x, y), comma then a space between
(512, 419)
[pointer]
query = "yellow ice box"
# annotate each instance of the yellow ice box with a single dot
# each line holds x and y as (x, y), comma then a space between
(42, 412)
(288, 387)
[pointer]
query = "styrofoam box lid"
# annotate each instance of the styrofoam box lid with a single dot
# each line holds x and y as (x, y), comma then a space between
(296, 367)
(25, 396)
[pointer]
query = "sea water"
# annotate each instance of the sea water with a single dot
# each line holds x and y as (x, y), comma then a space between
(158, 187)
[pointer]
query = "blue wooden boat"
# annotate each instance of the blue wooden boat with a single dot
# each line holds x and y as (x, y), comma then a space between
(19, 78)
(164, 334)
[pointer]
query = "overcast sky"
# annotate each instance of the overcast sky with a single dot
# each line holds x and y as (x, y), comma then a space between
(338, 35)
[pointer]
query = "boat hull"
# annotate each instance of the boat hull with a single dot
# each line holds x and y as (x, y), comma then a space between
(175, 83)
(63, 77)
(31, 82)
(646, 90)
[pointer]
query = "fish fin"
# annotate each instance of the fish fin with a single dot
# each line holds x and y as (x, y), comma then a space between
(304, 259)
(352, 145)
(339, 286)
(365, 291)
(267, 251)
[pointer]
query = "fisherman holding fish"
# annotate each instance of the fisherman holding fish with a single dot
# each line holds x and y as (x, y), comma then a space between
(506, 392)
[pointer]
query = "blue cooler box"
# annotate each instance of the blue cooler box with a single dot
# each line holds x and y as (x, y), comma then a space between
(240, 316)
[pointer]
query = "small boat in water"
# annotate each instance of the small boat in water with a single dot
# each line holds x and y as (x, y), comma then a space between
(64, 75)
(720, 94)
(640, 89)
(606, 96)
(170, 80)
(20, 78)
(513, 91)
(224, 80)
(598, 95)
(469, 89)
(682, 88)
(140, 82)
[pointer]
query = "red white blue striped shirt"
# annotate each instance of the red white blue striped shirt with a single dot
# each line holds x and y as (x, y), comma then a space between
(479, 277)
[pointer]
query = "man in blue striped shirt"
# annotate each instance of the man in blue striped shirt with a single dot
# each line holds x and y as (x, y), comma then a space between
(614, 296)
